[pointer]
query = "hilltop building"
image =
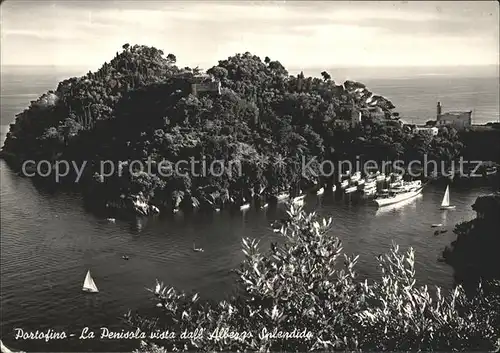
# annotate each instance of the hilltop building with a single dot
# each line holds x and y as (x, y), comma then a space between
(355, 118)
(205, 83)
(353, 122)
(460, 120)
(213, 87)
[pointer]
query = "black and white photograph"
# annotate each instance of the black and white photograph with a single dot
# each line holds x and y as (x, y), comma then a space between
(249, 176)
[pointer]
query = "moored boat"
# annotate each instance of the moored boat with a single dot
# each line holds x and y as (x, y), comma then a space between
(351, 189)
(370, 191)
(370, 184)
(298, 202)
(245, 206)
(399, 195)
(396, 184)
(282, 196)
(299, 199)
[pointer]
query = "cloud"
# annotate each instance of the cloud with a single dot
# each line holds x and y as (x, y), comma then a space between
(296, 33)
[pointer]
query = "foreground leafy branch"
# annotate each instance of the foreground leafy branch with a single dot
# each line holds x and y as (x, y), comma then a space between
(302, 286)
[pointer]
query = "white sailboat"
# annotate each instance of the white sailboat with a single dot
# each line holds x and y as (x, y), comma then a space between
(89, 284)
(445, 204)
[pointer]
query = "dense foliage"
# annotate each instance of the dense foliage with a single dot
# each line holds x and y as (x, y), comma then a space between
(474, 254)
(304, 282)
(140, 106)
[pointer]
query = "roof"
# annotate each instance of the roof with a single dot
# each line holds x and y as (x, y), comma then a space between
(456, 112)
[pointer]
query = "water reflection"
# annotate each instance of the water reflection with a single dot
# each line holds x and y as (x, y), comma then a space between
(50, 236)
(444, 218)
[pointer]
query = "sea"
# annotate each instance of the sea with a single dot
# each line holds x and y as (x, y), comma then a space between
(49, 241)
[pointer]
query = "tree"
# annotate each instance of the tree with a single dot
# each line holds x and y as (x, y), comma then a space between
(301, 284)
(171, 58)
(68, 129)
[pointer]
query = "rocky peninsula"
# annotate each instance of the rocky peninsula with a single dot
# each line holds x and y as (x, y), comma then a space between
(142, 106)
(474, 254)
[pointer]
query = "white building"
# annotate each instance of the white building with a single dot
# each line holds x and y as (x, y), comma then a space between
(214, 87)
(459, 120)
(430, 130)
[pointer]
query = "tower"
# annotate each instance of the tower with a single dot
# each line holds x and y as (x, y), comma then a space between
(355, 118)
(438, 110)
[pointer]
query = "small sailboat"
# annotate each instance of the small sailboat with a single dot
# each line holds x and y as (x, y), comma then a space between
(125, 257)
(89, 284)
(356, 176)
(445, 204)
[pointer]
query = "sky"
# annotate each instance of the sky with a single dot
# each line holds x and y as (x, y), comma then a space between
(298, 34)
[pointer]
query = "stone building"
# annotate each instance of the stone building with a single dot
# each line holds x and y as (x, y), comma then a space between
(210, 86)
(460, 120)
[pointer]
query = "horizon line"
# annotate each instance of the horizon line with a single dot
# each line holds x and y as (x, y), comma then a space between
(314, 67)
